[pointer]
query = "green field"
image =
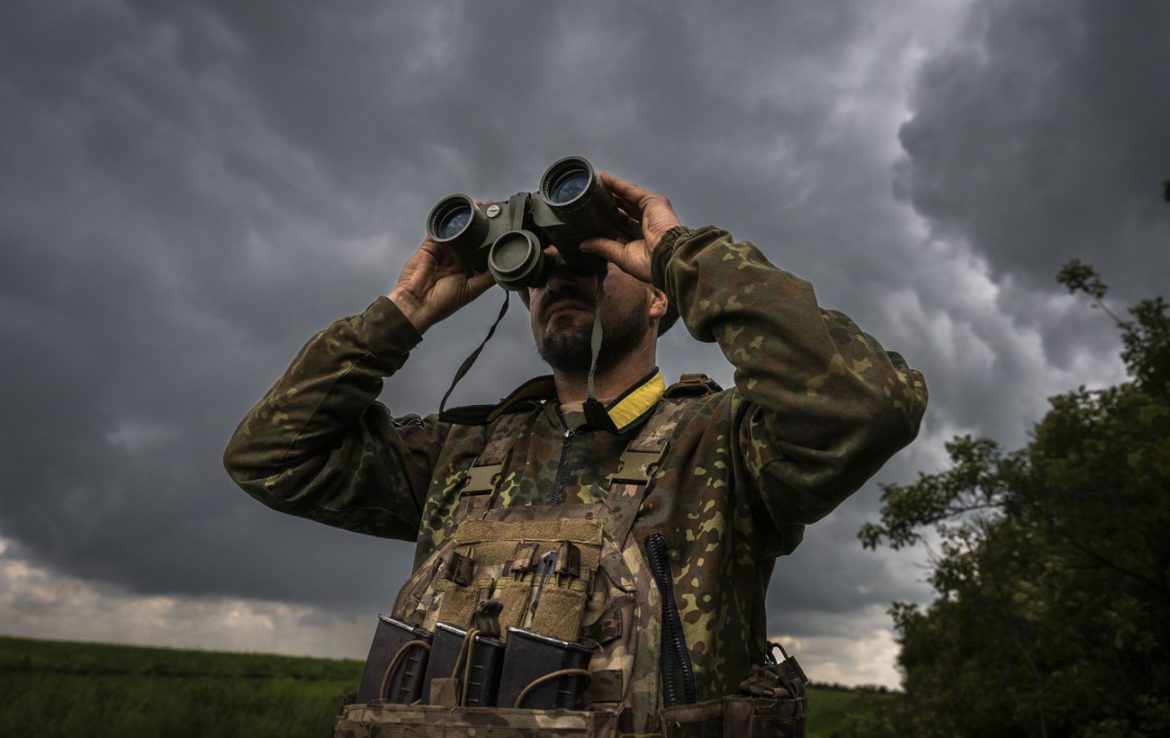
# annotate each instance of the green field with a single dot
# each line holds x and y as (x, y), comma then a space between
(55, 688)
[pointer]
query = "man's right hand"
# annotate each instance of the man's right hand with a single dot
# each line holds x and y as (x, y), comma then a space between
(433, 285)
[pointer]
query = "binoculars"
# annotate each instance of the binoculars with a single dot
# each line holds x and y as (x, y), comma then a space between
(508, 238)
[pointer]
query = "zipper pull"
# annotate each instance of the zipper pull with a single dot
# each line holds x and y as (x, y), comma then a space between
(559, 480)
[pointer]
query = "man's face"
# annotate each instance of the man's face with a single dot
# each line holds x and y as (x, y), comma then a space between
(561, 314)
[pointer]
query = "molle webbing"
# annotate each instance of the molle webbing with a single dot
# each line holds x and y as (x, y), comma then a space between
(564, 529)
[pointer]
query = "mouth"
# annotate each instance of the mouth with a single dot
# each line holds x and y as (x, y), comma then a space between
(561, 306)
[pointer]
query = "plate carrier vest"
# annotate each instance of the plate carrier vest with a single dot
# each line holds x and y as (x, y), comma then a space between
(572, 574)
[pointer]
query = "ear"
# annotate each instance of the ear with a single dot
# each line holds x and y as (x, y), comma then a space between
(658, 303)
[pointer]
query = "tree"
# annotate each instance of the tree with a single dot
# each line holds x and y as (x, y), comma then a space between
(1052, 571)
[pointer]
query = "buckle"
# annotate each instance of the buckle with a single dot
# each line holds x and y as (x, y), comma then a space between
(636, 467)
(480, 480)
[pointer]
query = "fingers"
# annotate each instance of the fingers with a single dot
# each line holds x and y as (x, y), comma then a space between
(442, 254)
(627, 191)
(480, 283)
(606, 248)
(632, 258)
(633, 228)
(628, 210)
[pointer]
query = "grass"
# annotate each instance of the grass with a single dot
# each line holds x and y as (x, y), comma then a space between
(828, 707)
(57, 688)
(53, 688)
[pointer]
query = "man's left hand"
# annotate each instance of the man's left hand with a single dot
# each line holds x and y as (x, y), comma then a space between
(645, 213)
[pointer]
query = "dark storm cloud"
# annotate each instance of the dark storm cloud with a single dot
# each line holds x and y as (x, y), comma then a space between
(1041, 135)
(1031, 139)
(193, 190)
(188, 191)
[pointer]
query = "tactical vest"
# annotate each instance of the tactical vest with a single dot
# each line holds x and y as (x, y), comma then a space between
(553, 620)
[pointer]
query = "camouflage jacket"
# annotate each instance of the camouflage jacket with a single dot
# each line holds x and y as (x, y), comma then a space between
(818, 406)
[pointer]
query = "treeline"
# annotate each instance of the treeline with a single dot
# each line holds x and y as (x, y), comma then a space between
(1051, 565)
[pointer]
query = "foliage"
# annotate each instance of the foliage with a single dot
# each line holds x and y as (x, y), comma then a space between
(1052, 570)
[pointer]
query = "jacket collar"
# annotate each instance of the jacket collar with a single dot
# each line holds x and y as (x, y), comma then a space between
(625, 412)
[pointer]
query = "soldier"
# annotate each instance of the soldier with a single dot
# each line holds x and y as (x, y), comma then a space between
(667, 523)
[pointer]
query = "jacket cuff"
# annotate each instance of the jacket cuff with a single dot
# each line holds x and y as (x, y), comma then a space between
(386, 331)
(662, 253)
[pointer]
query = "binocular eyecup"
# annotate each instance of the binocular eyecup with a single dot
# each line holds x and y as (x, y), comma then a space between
(509, 238)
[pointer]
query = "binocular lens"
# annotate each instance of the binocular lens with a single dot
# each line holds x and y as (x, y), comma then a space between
(566, 180)
(568, 186)
(450, 218)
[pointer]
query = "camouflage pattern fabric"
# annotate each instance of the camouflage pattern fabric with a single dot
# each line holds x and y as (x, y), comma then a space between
(818, 406)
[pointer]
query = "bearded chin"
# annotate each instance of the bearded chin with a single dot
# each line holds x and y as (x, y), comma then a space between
(567, 350)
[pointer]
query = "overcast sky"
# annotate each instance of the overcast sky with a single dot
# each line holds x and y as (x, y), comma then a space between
(189, 190)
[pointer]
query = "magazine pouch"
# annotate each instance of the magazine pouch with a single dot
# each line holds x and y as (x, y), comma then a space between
(397, 661)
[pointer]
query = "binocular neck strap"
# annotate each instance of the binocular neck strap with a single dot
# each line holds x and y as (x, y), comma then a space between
(466, 365)
(596, 413)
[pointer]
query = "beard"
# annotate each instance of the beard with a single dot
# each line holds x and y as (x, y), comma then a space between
(567, 348)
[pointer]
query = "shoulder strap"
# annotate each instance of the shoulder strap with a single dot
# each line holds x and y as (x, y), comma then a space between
(484, 474)
(693, 385)
(645, 450)
(634, 478)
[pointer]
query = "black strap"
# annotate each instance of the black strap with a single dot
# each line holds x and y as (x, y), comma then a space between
(466, 365)
(595, 413)
(596, 336)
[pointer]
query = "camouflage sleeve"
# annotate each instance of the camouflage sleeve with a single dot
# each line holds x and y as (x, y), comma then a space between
(318, 445)
(819, 404)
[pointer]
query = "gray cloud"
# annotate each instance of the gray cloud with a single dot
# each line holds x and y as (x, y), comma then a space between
(188, 191)
(1040, 136)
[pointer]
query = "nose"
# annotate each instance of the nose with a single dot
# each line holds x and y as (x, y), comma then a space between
(560, 274)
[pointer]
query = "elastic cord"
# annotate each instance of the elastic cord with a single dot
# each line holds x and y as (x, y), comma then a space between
(524, 693)
(394, 662)
(463, 664)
